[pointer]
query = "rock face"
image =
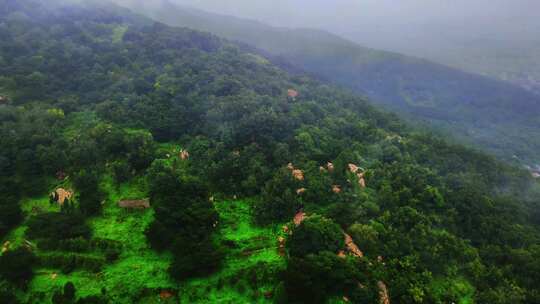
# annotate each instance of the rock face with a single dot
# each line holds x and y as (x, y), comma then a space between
(330, 166)
(6, 246)
(60, 195)
(384, 298)
(298, 174)
(299, 218)
(352, 247)
(165, 294)
(134, 204)
(361, 180)
(292, 94)
(184, 154)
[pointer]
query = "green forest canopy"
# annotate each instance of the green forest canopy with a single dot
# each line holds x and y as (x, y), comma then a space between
(100, 95)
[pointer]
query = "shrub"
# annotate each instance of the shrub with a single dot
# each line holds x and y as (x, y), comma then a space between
(315, 234)
(16, 266)
(279, 201)
(184, 222)
(57, 226)
(121, 171)
(90, 196)
(194, 259)
(10, 214)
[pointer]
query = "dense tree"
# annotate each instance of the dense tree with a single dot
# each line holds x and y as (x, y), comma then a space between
(10, 214)
(185, 221)
(90, 195)
(195, 258)
(57, 226)
(316, 277)
(16, 266)
(279, 201)
(7, 293)
(437, 214)
(66, 296)
(315, 234)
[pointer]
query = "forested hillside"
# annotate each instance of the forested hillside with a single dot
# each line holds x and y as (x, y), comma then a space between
(141, 163)
(498, 117)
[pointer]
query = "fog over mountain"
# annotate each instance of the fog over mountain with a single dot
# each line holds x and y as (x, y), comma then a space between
(496, 38)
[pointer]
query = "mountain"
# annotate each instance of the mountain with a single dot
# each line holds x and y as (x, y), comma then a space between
(142, 163)
(496, 39)
(499, 40)
(494, 115)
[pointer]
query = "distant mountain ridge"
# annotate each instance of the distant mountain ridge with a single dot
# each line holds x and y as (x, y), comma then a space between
(497, 116)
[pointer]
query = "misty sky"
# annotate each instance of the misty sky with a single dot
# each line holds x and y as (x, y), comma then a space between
(400, 25)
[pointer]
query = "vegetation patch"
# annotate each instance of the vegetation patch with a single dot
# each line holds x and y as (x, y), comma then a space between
(252, 263)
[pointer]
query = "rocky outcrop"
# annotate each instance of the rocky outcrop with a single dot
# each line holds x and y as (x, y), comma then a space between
(134, 204)
(60, 195)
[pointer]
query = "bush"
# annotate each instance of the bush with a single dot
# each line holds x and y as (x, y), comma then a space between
(57, 226)
(69, 262)
(92, 300)
(194, 259)
(279, 201)
(90, 196)
(16, 266)
(316, 277)
(7, 293)
(10, 214)
(65, 297)
(184, 222)
(112, 255)
(121, 171)
(315, 234)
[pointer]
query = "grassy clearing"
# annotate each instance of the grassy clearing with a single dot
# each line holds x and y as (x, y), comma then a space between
(252, 262)
(248, 275)
(138, 274)
(139, 269)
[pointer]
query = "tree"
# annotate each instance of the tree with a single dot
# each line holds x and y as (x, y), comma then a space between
(184, 222)
(65, 297)
(193, 259)
(57, 226)
(279, 201)
(10, 214)
(315, 234)
(316, 277)
(90, 196)
(16, 266)
(366, 235)
(7, 293)
(121, 171)
(141, 150)
(69, 292)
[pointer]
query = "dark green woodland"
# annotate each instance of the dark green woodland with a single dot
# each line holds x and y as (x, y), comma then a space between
(142, 163)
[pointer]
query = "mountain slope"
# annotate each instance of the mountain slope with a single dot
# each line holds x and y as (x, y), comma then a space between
(258, 181)
(491, 114)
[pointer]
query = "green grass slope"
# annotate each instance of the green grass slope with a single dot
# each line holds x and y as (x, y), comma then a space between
(249, 274)
(252, 263)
